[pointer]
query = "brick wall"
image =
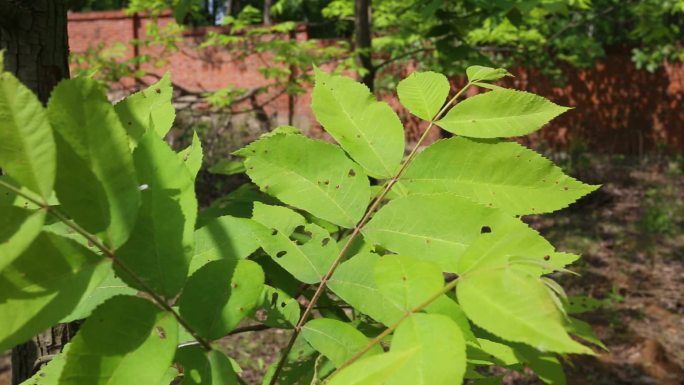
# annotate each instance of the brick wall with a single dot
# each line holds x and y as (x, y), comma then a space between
(617, 107)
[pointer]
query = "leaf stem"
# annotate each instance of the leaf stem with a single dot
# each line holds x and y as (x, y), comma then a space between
(108, 253)
(357, 230)
(448, 287)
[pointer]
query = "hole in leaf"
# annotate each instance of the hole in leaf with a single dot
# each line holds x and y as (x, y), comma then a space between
(274, 231)
(281, 254)
(547, 257)
(157, 91)
(325, 241)
(282, 304)
(352, 172)
(485, 230)
(274, 299)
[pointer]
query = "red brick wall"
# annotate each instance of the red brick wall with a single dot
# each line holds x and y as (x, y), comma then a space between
(617, 107)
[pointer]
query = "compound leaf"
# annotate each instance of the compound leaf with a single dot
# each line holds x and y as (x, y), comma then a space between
(500, 113)
(369, 130)
(127, 340)
(503, 174)
(423, 93)
(96, 181)
(309, 174)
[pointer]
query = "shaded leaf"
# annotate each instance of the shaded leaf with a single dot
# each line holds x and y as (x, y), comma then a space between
(97, 294)
(192, 155)
(161, 245)
(225, 237)
(277, 309)
(205, 368)
(44, 285)
(27, 148)
(96, 182)
(18, 228)
(104, 352)
(372, 370)
(219, 295)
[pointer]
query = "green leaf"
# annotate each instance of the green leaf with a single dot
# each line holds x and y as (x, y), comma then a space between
(436, 227)
(367, 129)
(27, 148)
(277, 309)
(497, 247)
(238, 203)
(424, 93)
(225, 237)
(515, 306)
(311, 175)
(407, 282)
(161, 245)
(18, 228)
(127, 340)
(484, 74)
(337, 340)
(501, 174)
(500, 113)
(192, 155)
(440, 356)
(96, 182)
(149, 109)
(354, 282)
(44, 285)
(205, 368)
(446, 306)
(307, 254)
(584, 331)
(97, 294)
(372, 370)
(219, 295)
(489, 352)
(228, 167)
(545, 365)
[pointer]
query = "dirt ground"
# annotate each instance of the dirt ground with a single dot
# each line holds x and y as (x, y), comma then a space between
(631, 236)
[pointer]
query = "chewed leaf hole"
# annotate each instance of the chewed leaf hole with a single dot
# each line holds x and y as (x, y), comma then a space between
(485, 230)
(281, 254)
(325, 241)
(352, 172)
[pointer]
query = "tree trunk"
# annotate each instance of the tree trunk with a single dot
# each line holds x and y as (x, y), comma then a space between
(34, 37)
(363, 40)
(267, 12)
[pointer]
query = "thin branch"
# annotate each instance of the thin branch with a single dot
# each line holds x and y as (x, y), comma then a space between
(357, 230)
(108, 253)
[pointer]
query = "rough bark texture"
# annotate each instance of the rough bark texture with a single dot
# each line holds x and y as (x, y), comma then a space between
(33, 34)
(363, 40)
(267, 12)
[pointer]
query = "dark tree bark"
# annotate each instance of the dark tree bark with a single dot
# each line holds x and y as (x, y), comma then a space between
(363, 40)
(33, 34)
(267, 12)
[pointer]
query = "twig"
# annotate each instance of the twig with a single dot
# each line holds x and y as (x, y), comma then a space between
(357, 230)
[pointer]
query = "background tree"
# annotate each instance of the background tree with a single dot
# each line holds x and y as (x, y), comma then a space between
(33, 35)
